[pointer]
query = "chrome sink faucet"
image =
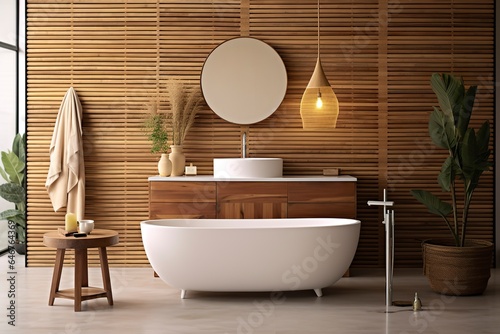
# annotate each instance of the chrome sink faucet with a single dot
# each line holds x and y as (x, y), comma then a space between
(244, 145)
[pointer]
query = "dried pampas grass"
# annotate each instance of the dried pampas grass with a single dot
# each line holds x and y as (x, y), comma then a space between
(179, 101)
(185, 101)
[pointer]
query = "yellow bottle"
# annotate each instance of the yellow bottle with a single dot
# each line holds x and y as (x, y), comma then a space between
(70, 222)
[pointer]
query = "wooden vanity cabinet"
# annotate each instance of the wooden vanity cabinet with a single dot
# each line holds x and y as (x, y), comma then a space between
(244, 200)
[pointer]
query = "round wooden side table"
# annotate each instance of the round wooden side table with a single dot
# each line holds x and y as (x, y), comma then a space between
(98, 238)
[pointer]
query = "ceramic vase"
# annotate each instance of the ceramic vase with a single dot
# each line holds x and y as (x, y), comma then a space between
(164, 165)
(178, 160)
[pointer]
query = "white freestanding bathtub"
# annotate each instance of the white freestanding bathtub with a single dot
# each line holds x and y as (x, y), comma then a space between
(250, 254)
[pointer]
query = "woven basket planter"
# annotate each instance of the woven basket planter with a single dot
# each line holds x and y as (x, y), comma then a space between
(457, 271)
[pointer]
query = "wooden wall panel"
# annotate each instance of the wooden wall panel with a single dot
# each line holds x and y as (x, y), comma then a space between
(455, 37)
(378, 56)
(349, 53)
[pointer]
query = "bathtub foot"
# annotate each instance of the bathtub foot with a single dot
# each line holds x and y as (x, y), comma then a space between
(319, 293)
(183, 294)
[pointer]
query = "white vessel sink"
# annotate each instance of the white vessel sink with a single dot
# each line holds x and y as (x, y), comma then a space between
(248, 167)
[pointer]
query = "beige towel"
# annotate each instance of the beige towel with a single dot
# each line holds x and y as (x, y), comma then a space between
(66, 177)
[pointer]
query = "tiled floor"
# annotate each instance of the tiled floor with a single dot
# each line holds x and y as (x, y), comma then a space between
(144, 304)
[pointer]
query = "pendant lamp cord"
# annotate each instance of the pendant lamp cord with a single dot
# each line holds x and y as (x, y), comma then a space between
(318, 31)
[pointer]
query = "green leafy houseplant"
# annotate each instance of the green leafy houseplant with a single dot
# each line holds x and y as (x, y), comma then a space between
(13, 171)
(155, 127)
(468, 151)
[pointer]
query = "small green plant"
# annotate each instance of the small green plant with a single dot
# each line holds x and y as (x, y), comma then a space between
(13, 171)
(468, 151)
(156, 130)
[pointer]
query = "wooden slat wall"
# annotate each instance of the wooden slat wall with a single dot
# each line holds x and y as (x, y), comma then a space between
(354, 144)
(455, 36)
(378, 56)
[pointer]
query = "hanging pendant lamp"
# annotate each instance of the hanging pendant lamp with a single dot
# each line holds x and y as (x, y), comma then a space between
(319, 107)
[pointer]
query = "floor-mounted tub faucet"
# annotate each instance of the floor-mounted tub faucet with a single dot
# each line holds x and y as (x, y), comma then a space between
(389, 246)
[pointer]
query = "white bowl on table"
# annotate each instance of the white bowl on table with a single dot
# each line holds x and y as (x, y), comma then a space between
(85, 226)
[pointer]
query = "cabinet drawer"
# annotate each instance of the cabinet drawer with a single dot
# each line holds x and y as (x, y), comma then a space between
(322, 210)
(176, 192)
(182, 210)
(321, 192)
(252, 192)
(230, 210)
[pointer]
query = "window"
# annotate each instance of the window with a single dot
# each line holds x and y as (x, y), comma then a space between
(8, 91)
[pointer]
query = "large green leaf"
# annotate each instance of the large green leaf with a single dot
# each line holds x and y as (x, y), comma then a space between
(483, 141)
(464, 110)
(21, 234)
(19, 219)
(483, 135)
(18, 146)
(474, 157)
(433, 203)
(447, 174)
(442, 130)
(449, 91)
(14, 215)
(13, 166)
(4, 174)
(12, 192)
(468, 154)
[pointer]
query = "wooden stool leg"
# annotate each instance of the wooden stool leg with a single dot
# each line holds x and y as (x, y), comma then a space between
(85, 269)
(105, 274)
(56, 276)
(81, 275)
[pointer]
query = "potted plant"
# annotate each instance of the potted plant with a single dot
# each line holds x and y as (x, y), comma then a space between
(459, 266)
(155, 126)
(182, 101)
(14, 191)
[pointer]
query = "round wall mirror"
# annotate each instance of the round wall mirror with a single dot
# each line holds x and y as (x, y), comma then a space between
(244, 80)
